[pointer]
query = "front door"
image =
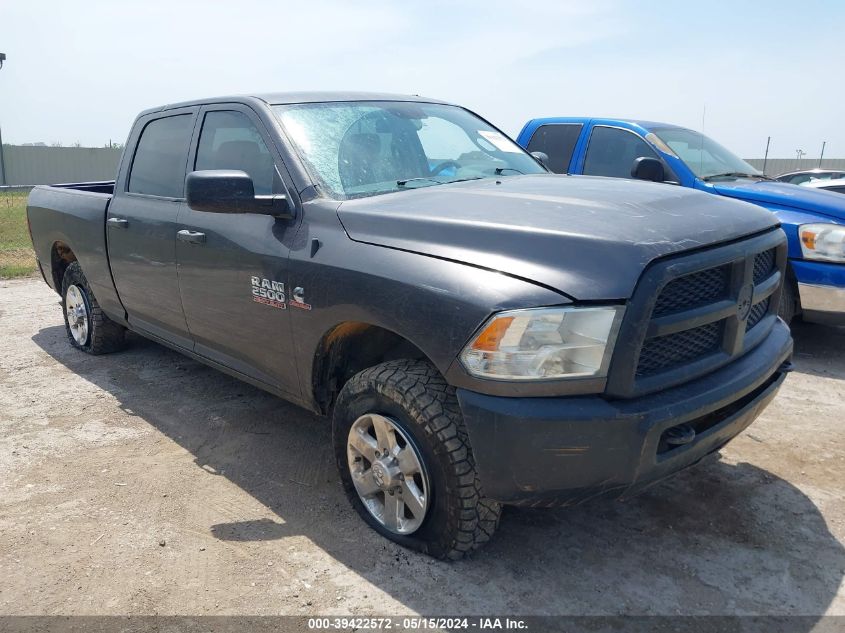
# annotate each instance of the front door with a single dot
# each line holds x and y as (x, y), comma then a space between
(611, 152)
(141, 225)
(233, 267)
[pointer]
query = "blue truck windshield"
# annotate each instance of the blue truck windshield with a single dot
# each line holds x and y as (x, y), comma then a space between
(704, 156)
(358, 149)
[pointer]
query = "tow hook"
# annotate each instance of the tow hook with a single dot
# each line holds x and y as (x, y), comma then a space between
(786, 367)
(679, 435)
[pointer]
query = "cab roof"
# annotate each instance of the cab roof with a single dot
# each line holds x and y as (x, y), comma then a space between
(647, 125)
(283, 98)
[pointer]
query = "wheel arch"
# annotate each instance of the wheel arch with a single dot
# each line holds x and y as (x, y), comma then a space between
(350, 347)
(61, 256)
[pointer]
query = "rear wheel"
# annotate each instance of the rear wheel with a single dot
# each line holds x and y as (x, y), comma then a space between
(88, 328)
(406, 463)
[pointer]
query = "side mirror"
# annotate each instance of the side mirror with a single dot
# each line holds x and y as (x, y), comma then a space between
(645, 168)
(230, 191)
(541, 158)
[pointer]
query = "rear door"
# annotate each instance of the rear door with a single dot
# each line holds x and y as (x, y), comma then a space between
(141, 224)
(233, 267)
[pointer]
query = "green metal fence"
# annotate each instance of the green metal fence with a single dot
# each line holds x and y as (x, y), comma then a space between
(30, 165)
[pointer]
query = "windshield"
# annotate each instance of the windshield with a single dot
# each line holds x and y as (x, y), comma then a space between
(365, 148)
(704, 156)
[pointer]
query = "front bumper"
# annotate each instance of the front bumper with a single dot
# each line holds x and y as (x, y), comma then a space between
(561, 451)
(821, 290)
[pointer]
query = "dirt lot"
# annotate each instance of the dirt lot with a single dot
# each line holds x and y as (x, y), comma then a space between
(146, 483)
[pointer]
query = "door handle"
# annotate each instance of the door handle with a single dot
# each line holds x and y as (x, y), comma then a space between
(117, 223)
(193, 237)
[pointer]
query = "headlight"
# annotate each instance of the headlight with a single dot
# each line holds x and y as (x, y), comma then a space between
(544, 344)
(825, 242)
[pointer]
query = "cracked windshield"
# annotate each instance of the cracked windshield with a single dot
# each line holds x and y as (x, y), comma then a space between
(353, 150)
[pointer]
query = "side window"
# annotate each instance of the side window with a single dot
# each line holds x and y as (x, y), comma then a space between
(800, 178)
(557, 141)
(612, 152)
(158, 168)
(229, 140)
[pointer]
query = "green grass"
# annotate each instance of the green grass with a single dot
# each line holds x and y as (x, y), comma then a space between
(16, 256)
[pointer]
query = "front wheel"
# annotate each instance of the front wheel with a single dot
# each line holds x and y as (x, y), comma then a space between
(87, 326)
(406, 463)
(788, 301)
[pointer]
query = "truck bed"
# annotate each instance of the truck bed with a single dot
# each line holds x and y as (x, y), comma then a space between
(97, 186)
(71, 218)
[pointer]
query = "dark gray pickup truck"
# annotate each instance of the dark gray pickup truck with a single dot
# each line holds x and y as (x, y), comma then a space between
(480, 331)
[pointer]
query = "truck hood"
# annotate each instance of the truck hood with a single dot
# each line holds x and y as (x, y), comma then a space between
(784, 194)
(587, 237)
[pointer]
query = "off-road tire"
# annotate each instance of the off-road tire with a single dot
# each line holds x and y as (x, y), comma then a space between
(788, 307)
(104, 335)
(412, 393)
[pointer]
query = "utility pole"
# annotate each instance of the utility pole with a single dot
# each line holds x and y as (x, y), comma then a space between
(822, 154)
(2, 157)
(799, 153)
(766, 157)
(2, 161)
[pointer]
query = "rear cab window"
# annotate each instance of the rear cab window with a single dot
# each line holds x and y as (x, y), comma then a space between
(158, 168)
(557, 141)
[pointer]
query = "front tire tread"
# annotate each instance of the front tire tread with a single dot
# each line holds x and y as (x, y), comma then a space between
(420, 390)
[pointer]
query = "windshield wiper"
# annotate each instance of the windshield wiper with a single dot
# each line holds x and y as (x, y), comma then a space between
(737, 174)
(464, 179)
(402, 183)
(500, 170)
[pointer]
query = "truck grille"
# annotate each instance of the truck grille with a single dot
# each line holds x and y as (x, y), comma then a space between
(661, 352)
(692, 290)
(758, 311)
(693, 314)
(764, 264)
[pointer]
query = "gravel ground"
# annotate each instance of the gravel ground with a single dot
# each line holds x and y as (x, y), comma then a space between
(146, 483)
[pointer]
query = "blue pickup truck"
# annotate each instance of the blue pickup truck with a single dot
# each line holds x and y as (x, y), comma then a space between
(814, 220)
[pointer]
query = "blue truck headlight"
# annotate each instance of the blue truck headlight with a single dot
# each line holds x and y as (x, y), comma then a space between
(544, 344)
(825, 242)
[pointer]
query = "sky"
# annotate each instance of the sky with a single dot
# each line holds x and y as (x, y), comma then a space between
(740, 71)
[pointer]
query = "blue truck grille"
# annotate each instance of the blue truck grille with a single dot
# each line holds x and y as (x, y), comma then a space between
(692, 314)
